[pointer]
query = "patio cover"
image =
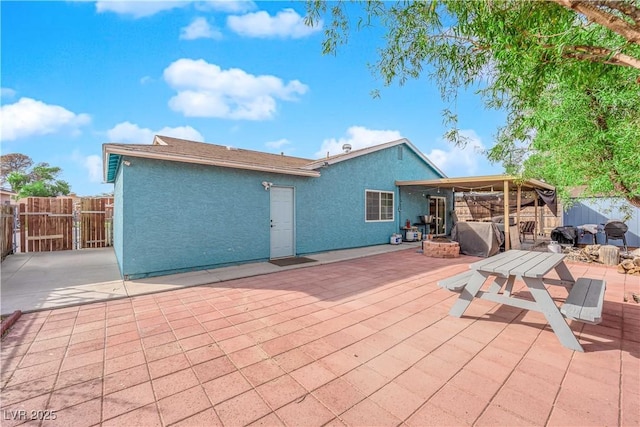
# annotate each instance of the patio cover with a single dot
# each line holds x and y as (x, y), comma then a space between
(482, 205)
(489, 183)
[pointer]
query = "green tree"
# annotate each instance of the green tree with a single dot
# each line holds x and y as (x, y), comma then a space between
(566, 72)
(13, 162)
(41, 181)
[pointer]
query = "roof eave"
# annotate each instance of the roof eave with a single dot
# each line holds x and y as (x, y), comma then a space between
(357, 153)
(106, 162)
(115, 150)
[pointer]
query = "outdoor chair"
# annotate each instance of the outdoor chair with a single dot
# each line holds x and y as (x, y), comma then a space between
(615, 230)
(527, 227)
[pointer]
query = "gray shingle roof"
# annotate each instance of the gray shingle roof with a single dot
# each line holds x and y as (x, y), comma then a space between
(182, 147)
(176, 149)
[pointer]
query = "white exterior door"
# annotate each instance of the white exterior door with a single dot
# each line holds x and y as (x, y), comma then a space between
(282, 222)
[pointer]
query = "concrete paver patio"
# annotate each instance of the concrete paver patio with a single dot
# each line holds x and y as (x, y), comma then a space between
(47, 280)
(365, 342)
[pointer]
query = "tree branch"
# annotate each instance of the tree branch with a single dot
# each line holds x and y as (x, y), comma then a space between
(625, 8)
(606, 19)
(601, 54)
(607, 154)
(622, 189)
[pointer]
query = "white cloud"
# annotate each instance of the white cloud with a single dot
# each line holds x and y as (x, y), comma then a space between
(278, 144)
(206, 90)
(29, 117)
(128, 132)
(6, 92)
(358, 137)
(137, 9)
(460, 161)
(146, 79)
(286, 23)
(93, 164)
(144, 8)
(200, 29)
(229, 6)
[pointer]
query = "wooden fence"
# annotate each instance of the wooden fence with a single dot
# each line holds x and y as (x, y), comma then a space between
(549, 220)
(7, 220)
(60, 224)
(46, 224)
(96, 222)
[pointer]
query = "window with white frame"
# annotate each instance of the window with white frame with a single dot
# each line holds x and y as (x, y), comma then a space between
(379, 205)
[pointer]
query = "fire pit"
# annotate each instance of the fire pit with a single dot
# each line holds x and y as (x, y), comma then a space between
(441, 248)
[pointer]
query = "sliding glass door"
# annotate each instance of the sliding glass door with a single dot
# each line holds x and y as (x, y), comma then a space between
(437, 208)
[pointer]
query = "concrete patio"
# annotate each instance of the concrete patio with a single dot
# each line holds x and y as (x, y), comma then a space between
(46, 280)
(364, 342)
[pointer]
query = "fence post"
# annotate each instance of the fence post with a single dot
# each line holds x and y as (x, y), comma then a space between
(23, 228)
(7, 218)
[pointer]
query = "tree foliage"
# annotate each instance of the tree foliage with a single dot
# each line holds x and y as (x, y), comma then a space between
(41, 181)
(567, 73)
(13, 162)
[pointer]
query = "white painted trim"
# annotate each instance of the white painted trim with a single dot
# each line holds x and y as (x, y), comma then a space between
(444, 214)
(157, 140)
(393, 207)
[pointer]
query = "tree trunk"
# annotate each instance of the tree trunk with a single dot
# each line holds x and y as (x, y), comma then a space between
(609, 255)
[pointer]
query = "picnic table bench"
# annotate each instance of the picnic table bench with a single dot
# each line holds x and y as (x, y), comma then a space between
(456, 283)
(584, 302)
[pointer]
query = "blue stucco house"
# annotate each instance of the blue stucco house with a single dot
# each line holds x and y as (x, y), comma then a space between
(183, 205)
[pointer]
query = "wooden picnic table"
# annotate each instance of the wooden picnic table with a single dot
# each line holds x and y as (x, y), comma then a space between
(584, 302)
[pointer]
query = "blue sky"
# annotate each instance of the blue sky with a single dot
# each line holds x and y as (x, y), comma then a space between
(77, 74)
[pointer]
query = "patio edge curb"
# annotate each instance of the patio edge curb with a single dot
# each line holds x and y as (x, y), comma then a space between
(9, 321)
